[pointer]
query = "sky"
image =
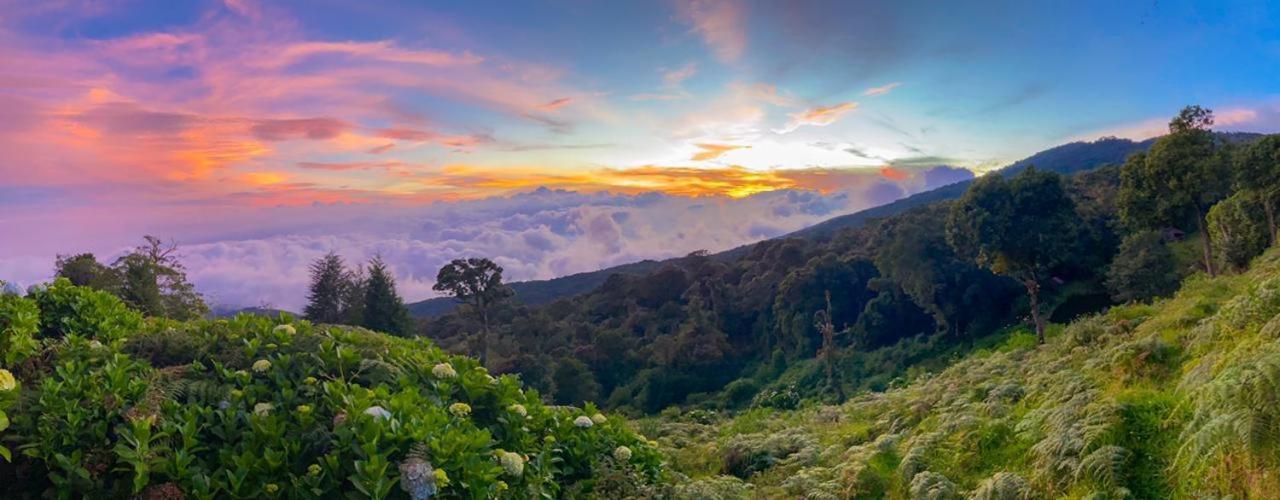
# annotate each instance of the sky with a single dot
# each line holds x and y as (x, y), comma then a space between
(556, 136)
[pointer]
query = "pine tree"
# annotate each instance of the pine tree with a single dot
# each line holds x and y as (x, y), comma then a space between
(384, 310)
(325, 301)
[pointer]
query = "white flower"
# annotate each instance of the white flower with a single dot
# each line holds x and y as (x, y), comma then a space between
(598, 418)
(519, 409)
(262, 409)
(377, 412)
(285, 329)
(444, 370)
(511, 462)
(583, 422)
(418, 479)
(460, 410)
(261, 365)
(622, 453)
(7, 381)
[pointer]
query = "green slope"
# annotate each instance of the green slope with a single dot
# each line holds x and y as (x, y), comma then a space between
(1179, 399)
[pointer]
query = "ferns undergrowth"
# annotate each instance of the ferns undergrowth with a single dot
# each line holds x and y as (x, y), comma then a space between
(1177, 399)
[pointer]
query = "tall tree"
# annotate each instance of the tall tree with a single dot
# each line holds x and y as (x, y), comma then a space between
(1258, 173)
(1180, 178)
(85, 270)
(1144, 268)
(327, 294)
(1238, 230)
(1021, 228)
(477, 283)
(154, 281)
(384, 310)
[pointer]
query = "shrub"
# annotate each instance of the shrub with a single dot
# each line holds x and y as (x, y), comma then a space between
(19, 324)
(739, 392)
(1237, 230)
(66, 309)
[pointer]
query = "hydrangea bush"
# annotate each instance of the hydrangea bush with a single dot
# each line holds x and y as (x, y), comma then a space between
(114, 405)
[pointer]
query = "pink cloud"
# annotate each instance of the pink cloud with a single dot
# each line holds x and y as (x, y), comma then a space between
(881, 90)
(720, 23)
(299, 128)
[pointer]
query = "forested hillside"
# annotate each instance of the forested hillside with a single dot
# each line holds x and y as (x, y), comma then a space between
(1175, 399)
(829, 316)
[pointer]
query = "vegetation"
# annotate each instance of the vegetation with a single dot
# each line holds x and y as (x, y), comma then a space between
(96, 400)
(1175, 399)
(150, 279)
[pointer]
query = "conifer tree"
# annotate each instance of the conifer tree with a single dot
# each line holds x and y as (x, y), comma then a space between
(325, 299)
(384, 310)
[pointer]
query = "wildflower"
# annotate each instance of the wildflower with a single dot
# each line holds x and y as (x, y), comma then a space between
(622, 454)
(285, 329)
(444, 370)
(272, 488)
(303, 409)
(598, 418)
(262, 409)
(313, 469)
(377, 412)
(7, 382)
(418, 479)
(309, 381)
(583, 422)
(460, 410)
(261, 365)
(511, 462)
(518, 409)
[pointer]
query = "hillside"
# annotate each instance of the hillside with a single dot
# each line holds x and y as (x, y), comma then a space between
(1177, 399)
(1065, 159)
(103, 403)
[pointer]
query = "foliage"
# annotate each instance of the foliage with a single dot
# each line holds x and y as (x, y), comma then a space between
(1257, 173)
(1022, 228)
(267, 407)
(336, 294)
(383, 309)
(1143, 269)
(153, 281)
(1237, 231)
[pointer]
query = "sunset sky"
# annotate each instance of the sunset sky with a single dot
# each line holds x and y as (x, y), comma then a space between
(260, 135)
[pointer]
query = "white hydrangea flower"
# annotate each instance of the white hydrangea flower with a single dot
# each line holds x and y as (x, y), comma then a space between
(519, 409)
(511, 462)
(444, 370)
(622, 453)
(285, 329)
(460, 410)
(262, 409)
(261, 365)
(7, 380)
(377, 412)
(599, 418)
(583, 422)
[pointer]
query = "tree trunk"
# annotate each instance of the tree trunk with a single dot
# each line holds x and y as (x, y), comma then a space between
(1033, 293)
(1205, 243)
(1269, 208)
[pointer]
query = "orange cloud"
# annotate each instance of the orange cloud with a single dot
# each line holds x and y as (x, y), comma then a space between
(555, 104)
(820, 116)
(881, 90)
(713, 151)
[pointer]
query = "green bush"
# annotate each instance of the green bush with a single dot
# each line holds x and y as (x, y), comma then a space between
(19, 324)
(66, 309)
(268, 407)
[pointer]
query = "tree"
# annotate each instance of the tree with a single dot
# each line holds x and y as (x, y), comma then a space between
(1143, 269)
(384, 310)
(85, 270)
(476, 282)
(1258, 173)
(1021, 228)
(327, 296)
(1238, 236)
(153, 281)
(827, 353)
(1178, 179)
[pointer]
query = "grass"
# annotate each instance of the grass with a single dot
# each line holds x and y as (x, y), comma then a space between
(1174, 399)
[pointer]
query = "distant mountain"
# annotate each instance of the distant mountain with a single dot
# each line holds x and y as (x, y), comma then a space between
(1064, 159)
